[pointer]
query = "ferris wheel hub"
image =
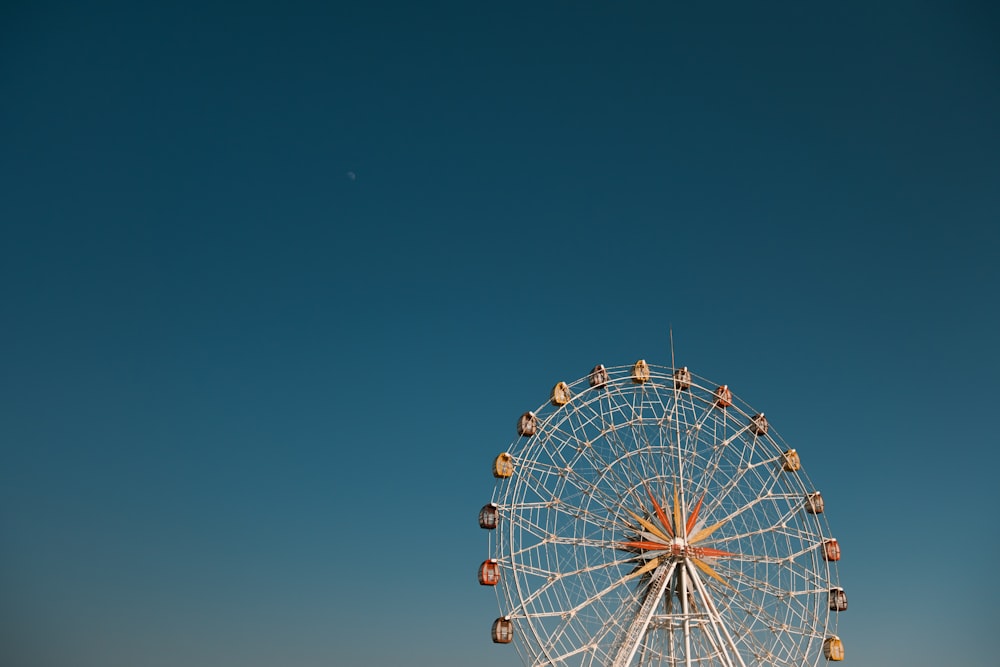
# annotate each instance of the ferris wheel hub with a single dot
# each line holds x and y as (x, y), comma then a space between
(678, 546)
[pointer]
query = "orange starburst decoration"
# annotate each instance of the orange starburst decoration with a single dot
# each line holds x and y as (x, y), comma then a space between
(669, 538)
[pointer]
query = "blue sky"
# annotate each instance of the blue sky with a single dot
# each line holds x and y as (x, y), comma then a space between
(248, 402)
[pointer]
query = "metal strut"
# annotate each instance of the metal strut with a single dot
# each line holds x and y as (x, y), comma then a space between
(633, 636)
(715, 620)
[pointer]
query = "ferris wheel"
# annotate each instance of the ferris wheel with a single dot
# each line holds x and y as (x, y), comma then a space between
(645, 516)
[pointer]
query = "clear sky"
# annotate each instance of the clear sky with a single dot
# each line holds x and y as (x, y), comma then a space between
(276, 280)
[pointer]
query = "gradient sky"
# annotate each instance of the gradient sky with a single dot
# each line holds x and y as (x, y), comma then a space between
(276, 280)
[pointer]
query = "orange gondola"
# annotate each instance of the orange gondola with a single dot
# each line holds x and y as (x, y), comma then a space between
(831, 550)
(723, 397)
(489, 572)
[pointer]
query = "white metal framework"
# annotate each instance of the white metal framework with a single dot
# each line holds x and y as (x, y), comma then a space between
(651, 518)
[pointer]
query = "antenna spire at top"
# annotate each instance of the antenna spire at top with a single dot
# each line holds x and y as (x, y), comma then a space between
(670, 327)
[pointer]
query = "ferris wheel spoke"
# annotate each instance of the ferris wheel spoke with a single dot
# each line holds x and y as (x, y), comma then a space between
(753, 607)
(594, 458)
(777, 526)
(527, 523)
(558, 578)
(613, 490)
(775, 592)
(617, 584)
(723, 448)
(569, 627)
(720, 634)
(572, 632)
(525, 570)
(722, 495)
(702, 400)
(598, 492)
(543, 548)
(582, 519)
(757, 609)
(562, 657)
(777, 558)
(632, 638)
(537, 488)
(584, 542)
(570, 470)
(537, 467)
(617, 404)
(743, 582)
(773, 627)
(536, 475)
(692, 486)
(625, 455)
(567, 439)
(553, 580)
(606, 470)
